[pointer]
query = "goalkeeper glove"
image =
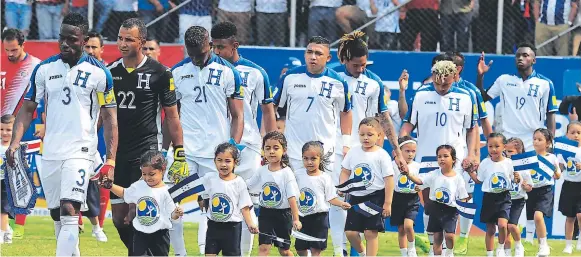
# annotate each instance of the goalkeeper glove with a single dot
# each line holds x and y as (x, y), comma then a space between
(179, 168)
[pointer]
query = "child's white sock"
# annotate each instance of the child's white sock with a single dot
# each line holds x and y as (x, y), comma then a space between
(543, 241)
(500, 246)
(96, 227)
(431, 238)
(530, 227)
(449, 252)
(465, 225)
(569, 243)
(489, 254)
(412, 244)
(403, 251)
(202, 228)
(176, 238)
(518, 244)
(68, 236)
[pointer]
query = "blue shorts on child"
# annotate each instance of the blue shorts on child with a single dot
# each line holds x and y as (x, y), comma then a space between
(540, 199)
(275, 222)
(442, 218)
(516, 207)
(358, 222)
(570, 199)
(404, 206)
(495, 206)
(223, 237)
(315, 225)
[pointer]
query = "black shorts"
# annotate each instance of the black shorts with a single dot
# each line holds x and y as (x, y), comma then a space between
(358, 222)
(404, 206)
(4, 205)
(224, 237)
(127, 172)
(93, 200)
(151, 244)
(316, 225)
(570, 199)
(495, 206)
(442, 218)
(540, 199)
(516, 207)
(275, 222)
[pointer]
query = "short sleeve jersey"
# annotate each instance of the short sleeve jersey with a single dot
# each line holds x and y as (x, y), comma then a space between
(315, 192)
(227, 198)
(257, 91)
(369, 167)
(367, 98)
(496, 177)
(312, 101)
(153, 209)
(203, 94)
(275, 188)
(140, 94)
(526, 103)
(443, 115)
(443, 189)
(15, 80)
(74, 96)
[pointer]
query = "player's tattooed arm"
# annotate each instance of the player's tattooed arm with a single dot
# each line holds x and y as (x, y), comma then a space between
(109, 117)
(391, 134)
(236, 107)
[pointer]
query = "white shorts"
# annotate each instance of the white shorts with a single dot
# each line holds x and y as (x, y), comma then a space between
(65, 180)
(201, 166)
(249, 163)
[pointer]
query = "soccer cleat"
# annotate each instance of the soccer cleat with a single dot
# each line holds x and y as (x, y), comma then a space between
(461, 246)
(544, 251)
(423, 243)
(412, 252)
(568, 249)
(99, 234)
(500, 253)
(18, 231)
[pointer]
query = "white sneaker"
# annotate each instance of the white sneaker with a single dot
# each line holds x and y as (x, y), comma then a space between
(412, 252)
(568, 249)
(431, 253)
(100, 235)
(500, 253)
(8, 237)
(544, 250)
(578, 245)
(519, 251)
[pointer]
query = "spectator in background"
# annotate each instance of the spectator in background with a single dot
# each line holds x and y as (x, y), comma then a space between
(238, 12)
(79, 6)
(350, 17)
(456, 16)
(123, 10)
(322, 21)
(149, 10)
(195, 13)
(577, 34)
(49, 14)
(271, 22)
(104, 8)
(553, 17)
(151, 49)
(421, 18)
(387, 27)
(18, 14)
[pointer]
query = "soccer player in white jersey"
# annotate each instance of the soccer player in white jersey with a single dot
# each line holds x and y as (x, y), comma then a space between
(528, 97)
(257, 92)
(77, 87)
(368, 100)
(211, 105)
(313, 94)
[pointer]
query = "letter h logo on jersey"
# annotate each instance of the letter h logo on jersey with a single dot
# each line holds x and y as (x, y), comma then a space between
(326, 89)
(454, 104)
(533, 90)
(362, 86)
(141, 79)
(211, 76)
(244, 78)
(82, 76)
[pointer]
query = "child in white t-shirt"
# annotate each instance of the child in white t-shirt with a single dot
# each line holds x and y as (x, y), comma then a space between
(570, 198)
(155, 209)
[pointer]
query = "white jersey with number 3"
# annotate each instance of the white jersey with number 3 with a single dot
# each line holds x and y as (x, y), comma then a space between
(525, 103)
(441, 119)
(312, 102)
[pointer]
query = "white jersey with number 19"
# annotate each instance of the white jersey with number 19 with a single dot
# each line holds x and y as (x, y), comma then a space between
(441, 119)
(203, 94)
(73, 99)
(312, 102)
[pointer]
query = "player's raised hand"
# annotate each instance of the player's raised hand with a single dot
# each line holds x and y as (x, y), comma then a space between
(403, 80)
(178, 170)
(482, 66)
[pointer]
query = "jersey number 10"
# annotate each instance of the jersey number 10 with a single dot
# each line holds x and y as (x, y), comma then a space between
(441, 119)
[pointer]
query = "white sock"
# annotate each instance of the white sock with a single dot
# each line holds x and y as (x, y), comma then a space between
(426, 219)
(176, 238)
(202, 229)
(543, 241)
(465, 225)
(68, 236)
(449, 252)
(489, 254)
(247, 238)
(96, 227)
(412, 244)
(530, 227)
(518, 244)
(337, 218)
(431, 238)
(500, 246)
(569, 243)
(508, 252)
(57, 228)
(403, 251)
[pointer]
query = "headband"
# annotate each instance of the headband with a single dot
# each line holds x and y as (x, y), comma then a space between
(411, 141)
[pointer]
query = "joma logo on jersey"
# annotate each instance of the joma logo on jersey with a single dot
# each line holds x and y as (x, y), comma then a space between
(454, 104)
(533, 90)
(326, 89)
(511, 84)
(80, 190)
(189, 76)
(143, 81)
(300, 86)
(55, 77)
(430, 102)
(212, 77)
(361, 87)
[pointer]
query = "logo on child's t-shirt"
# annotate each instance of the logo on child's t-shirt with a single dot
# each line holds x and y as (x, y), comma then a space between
(442, 195)
(307, 200)
(271, 196)
(147, 211)
(498, 182)
(571, 168)
(536, 176)
(515, 188)
(405, 185)
(363, 172)
(221, 207)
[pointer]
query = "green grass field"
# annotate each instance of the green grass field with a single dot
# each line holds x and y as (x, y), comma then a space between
(39, 241)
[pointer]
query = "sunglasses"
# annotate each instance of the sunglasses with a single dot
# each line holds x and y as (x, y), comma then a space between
(148, 48)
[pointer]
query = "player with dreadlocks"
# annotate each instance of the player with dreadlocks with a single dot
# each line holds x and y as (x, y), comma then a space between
(368, 100)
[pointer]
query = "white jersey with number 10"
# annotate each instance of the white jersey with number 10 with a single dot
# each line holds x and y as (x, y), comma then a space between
(312, 102)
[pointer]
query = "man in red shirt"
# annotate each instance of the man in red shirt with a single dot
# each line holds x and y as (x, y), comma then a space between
(17, 67)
